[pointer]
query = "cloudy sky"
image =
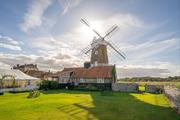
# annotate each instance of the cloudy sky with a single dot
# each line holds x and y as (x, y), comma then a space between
(49, 33)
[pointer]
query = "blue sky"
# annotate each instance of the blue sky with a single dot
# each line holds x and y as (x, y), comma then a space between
(49, 33)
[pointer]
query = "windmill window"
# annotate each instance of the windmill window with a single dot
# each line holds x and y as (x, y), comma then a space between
(96, 52)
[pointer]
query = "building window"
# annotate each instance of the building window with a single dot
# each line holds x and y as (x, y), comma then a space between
(100, 80)
(82, 80)
(28, 82)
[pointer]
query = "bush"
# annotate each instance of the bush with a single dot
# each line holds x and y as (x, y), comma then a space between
(92, 86)
(54, 85)
(33, 94)
(18, 91)
(45, 85)
(1, 93)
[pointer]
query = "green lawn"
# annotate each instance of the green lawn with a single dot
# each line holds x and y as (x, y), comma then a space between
(75, 105)
(141, 88)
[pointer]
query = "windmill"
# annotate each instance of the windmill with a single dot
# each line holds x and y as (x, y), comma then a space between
(98, 47)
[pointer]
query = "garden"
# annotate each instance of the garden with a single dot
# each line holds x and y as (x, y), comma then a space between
(85, 105)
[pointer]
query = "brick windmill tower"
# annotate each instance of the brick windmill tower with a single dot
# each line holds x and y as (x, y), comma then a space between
(99, 53)
(98, 47)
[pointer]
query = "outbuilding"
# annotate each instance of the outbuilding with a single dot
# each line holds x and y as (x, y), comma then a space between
(97, 74)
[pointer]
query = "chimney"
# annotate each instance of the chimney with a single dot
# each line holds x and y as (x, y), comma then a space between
(87, 65)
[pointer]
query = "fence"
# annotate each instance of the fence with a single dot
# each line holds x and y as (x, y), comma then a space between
(173, 95)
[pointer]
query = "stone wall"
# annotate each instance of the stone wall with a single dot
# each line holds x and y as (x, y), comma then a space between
(173, 94)
(154, 88)
(125, 87)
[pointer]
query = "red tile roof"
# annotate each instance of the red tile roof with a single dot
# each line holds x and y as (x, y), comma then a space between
(93, 72)
(72, 69)
(60, 73)
(65, 71)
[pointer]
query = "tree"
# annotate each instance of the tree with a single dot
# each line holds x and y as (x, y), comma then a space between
(114, 75)
(1, 82)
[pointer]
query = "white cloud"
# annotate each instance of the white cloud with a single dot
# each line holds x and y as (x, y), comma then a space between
(68, 4)
(72, 42)
(58, 51)
(155, 69)
(81, 36)
(45, 62)
(11, 47)
(150, 68)
(34, 15)
(142, 72)
(4, 66)
(150, 48)
(9, 43)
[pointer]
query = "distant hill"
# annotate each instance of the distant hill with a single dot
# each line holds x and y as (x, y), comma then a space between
(145, 79)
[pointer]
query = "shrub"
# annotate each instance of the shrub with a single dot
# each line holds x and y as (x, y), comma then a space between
(92, 86)
(18, 91)
(54, 85)
(33, 94)
(45, 85)
(1, 93)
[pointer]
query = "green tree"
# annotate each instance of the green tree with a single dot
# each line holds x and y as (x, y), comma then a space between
(1, 82)
(114, 75)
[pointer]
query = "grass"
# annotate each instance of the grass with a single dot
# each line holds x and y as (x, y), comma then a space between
(76, 105)
(141, 88)
(178, 85)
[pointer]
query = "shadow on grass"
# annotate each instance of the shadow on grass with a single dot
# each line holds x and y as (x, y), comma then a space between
(61, 91)
(117, 106)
